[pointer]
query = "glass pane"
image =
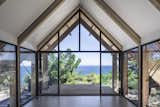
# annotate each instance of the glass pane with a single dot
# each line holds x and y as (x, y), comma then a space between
(106, 67)
(106, 44)
(70, 41)
(88, 41)
(117, 82)
(52, 45)
(49, 73)
(79, 73)
(7, 79)
(27, 76)
(24, 50)
(133, 75)
(6, 47)
(103, 48)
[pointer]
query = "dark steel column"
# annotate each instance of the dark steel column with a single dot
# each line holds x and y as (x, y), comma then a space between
(140, 65)
(37, 73)
(18, 76)
(121, 72)
(58, 65)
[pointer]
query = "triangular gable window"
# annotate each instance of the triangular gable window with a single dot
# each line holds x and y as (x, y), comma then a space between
(88, 41)
(70, 42)
(79, 34)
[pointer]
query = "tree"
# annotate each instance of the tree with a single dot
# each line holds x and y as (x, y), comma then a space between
(68, 63)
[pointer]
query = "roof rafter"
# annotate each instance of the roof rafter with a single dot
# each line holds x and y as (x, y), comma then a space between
(24, 35)
(95, 35)
(53, 45)
(119, 21)
(2, 1)
(89, 22)
(53, 32)
(109, 35)
(156, 3)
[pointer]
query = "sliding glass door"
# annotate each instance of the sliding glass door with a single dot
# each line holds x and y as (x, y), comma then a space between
(27, 75)
(79, 59)
(49, 74)
(7, 75)
(79, 73)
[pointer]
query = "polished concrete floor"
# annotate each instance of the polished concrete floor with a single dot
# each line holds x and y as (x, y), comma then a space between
(79, 101)
(79, 89)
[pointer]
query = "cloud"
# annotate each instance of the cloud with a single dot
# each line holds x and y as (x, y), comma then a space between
(26, 63)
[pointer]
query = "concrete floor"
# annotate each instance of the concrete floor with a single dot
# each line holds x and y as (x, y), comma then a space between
(79, 101)
(78, 90)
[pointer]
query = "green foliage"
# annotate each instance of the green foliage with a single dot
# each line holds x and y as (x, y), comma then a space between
(133, 75)
(5, 79)
(132, 79)
(27, 79)
(76, 78)
(107, 79)
(68, 64)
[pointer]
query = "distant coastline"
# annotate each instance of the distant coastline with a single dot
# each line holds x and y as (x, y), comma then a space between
(93, 69)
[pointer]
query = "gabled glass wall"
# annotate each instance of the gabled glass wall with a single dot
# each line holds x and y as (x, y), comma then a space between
(48, 77)
(79, 73)
(151, 74)
(79, 59)
(27, 75)
(7, 75)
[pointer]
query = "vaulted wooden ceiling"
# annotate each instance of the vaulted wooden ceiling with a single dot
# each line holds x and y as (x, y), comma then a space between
(130, 23)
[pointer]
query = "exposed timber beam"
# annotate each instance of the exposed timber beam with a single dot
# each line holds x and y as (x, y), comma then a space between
(61, 38)
(119, 21)
(2, 1)
(53, 32)
(24, 35)
(117, 43)
(96, 36)
(156, 3)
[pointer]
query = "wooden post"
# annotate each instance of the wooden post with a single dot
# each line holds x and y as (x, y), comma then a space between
(13, 89)
(33, 80)
(114, 71)
(125, 74)
(44, 70)
(145, 80)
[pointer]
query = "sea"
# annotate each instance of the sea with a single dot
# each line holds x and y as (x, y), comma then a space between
(93, 69)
